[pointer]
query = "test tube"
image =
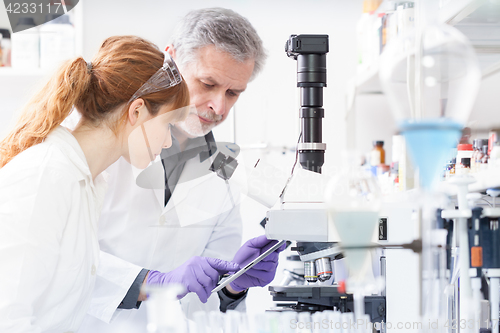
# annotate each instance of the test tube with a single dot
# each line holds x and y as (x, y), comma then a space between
(232, 321)
(201, 323)
(287, 322)
(216, 321)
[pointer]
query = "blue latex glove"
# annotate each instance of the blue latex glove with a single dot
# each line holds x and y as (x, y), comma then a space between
(198, 274)
(263, 272)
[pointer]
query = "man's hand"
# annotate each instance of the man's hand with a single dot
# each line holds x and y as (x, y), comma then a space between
(198, 274)
(263, 272)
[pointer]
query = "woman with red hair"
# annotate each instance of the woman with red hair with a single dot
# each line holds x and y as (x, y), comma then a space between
(51, 187)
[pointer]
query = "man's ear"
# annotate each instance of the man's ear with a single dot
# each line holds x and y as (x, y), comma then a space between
(135, 110)
(170, 50)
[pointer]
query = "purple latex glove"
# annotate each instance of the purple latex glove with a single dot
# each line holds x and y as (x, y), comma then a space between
(263, 272)
(198, 274)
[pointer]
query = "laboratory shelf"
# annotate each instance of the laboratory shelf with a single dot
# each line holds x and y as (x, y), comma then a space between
(476, 20)
(456, 10)
(486, 179)
(368, 82)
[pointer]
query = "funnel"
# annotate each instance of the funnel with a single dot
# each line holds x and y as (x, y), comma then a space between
(431, 80)
(431, 77)
(356, 229)
(429, 143)
(353, 199)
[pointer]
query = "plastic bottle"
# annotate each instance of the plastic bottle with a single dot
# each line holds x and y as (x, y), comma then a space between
(57, 41)
(365, 32)
(464, 150)
(494, 160)
(392, 26)
(450, 168)
(492, 138)
(25, 45)
(362, 32)
(389, 21)
(406, 17)
(377, 36)
(397, 151)
(6, 47)
(464, 166)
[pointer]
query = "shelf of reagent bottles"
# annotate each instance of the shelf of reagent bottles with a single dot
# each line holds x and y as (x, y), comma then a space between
(485, 179)
(469, 17)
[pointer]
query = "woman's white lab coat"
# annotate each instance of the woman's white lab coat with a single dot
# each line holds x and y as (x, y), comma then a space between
(136, 230)
(49, 208)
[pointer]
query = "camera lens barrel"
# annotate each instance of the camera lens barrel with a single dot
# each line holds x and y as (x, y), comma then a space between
(311, 79)
(311, 70)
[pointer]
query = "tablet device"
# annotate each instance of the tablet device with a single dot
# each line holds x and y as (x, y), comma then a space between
(227, 280)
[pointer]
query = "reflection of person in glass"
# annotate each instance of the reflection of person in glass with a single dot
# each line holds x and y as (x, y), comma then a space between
(218, 52)
(51, 187)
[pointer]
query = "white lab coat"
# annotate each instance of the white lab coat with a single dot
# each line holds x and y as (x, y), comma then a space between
(136, 231)
(49, 252)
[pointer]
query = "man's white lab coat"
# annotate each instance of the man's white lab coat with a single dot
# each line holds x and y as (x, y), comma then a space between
(49, 252)
(136, 231)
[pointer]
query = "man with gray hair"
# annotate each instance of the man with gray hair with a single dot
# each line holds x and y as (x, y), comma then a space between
(164, 234)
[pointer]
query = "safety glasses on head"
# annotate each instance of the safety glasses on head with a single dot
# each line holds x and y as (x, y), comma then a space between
(167, 76)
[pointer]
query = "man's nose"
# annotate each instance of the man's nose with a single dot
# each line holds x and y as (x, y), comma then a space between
(218, 104)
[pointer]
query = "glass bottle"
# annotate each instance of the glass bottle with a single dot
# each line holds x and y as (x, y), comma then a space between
(484, 160)
(475, 144)
(478, 155)
(377, 155)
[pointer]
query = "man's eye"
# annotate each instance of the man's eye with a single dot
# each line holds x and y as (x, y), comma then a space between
(207, 85)
(232, 93)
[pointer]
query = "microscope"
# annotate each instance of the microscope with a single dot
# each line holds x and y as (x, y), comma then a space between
(315, 245)
(302, 215)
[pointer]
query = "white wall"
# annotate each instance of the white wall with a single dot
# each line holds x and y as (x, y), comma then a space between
(267, 112)
(270, 105)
